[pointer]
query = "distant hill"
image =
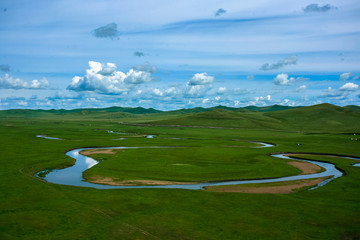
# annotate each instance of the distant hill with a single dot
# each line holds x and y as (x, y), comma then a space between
(318, 118)
(222, 118)
(353, 108)
(269, 108)
(322, 117)
(200, 109)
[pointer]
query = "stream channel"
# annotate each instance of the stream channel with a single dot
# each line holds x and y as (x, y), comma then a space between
(73, 175)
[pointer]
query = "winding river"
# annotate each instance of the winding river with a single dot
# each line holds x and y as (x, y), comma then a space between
(73, 175)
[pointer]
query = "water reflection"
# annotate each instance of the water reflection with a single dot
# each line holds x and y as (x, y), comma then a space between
(90, 162)
(264, 145)
(46, 137)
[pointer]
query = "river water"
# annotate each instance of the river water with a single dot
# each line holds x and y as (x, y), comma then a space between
(73, 175)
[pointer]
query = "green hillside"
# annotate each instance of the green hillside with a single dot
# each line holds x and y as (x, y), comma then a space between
(322, 117)
(353, 108)
(269, 108)
(318, 118)
(223, 118)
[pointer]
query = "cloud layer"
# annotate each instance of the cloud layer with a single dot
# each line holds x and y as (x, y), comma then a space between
(282, 63)
(8, 82)
(317, 8)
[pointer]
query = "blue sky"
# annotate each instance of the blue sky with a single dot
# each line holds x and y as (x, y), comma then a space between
(178, 54)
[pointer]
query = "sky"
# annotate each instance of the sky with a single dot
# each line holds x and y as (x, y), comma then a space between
(66, 54)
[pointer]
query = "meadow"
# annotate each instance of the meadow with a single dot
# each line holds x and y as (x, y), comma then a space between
(211, 144)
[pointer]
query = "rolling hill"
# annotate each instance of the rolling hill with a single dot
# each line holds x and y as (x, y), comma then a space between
(320, 117)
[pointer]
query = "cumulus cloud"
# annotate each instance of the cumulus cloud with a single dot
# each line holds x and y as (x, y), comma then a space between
(107, 31)
(198, 85)
(349, 87)
(205, 100)
(196, 91)
(314, 7)
(220, 12)
(137, 77)
(139, 54)
(284, 80)
(8, 82)
(173, 92)
(157, 92)
(221, 90)
(4, 68)
(201, 79)
(282, 63)
(105, 79)
(261, 98)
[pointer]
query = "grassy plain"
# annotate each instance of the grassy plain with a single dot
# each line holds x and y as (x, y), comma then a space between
(33, 209)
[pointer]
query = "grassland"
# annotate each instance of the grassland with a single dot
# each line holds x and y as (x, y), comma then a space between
(33, 209)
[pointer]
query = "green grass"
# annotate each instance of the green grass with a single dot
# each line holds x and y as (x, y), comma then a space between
(189, 164)
(33, 209)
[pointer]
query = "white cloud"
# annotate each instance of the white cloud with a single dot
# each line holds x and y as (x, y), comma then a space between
(349, 87)
(173, 91)
(205, 100)
(195, 91)
(22, 103)
(261, 98)
(288, 102)
(345, 76)
(103, 78)
(8, 82)
(283, 79)
(221, 90)
(201, 79)
(157, 92)
(279, 64)
(302, 88)
(137, 77)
